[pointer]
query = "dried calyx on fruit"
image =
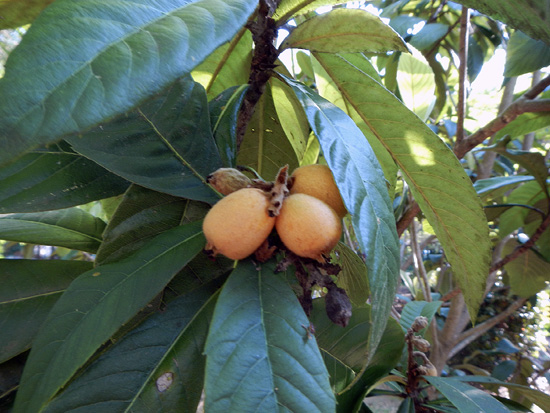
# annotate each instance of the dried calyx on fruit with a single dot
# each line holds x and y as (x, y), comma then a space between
(228, 180)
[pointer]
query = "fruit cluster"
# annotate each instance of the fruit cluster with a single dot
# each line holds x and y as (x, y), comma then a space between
(305, 209)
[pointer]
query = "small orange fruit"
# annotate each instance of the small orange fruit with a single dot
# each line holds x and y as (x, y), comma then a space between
(308, 227)
(238, 224)
(318, 181)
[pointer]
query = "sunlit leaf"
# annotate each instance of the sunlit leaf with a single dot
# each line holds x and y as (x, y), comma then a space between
(525, 55)
(289, 8)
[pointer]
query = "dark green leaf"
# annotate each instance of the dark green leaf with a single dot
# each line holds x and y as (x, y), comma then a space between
(52, 179)
(525, 55)
(103, 58)
(344, 30)
(17, 13)
(144, 358)
(227, 66)
(165, 145)
(435, 176)
(259, 357)
(466, 398)
(95, 306)
(224, 110)
(71, 228)
(353, 278)
(418, 308)
(28, 290)
(428, 35)
(357, 173)
(531, 17)
(496, 186)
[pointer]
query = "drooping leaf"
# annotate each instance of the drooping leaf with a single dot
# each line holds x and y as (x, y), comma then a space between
(142, 215)
(436, 178)
(16, 13)
(224, 111)
(258, 356)
(55, 178)
(528, 273)
(466, 398)
(353, 278)
(227, 66)
(166, 144)
(28, 290)
(525, 55)
(344, 30)
(71, 228)
(531, 17)
(146, 359)
(358, 175)
(95, 306)
(101, 59)
(265, 147)
(416, 84)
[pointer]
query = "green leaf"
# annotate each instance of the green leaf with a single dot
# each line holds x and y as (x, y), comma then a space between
(55, 178)
(466, 398)
(415, 309)
(227, 66)
(530, 193)
(525, 123)
(528, 273)
(95, 306)
(224, 111)
(258, 356)
(144, 358)
(265, 146)
(28, 290)
(496, 186)
(357, 173)
(353, 278)
(531, 17)
(165, 145)
(344, 30)
(142, 215)
(290, 8)
(426, 38)
(435, 176)
(17, 13)
(71, 228)
(416, 84)
(525, 55)
(101, 59)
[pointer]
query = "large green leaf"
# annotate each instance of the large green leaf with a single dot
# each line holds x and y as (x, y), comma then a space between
(95, 306)
(83, 61)
(466, 398)
(142, 215)
(141, 361)
(258, 355)
(166, 144)
(344, 30)
(16, 13)
(71, 228)
(357, 173)
(55, 178)
(265, 146)
(436, 178)
(227, 66)
(28, 290)
(525, 55)
(528, 273)
(531, 17)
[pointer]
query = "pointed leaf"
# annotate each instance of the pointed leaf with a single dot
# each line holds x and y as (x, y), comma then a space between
(28, 290)
(164, 341)
(101, 59)
(55, 178)
(357, 173)
(259, 357)
(344, 30)
(165, 145)
(525, 55)
(466, 398)
(227, 66)
(498, 185)
(435, 176)
(95, 306)
(70, 228)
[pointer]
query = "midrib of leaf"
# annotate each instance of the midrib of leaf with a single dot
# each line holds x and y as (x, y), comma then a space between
(225, 57)
(172, 149)
(46, 225)
(150, 376)
(396, 159)
(331, 35)
(138, 29)
(20, 300)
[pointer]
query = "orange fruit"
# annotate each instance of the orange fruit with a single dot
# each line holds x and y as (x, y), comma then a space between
(308, 227)
(238, 224)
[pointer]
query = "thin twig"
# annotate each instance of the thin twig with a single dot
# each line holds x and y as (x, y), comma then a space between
(462, 72)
